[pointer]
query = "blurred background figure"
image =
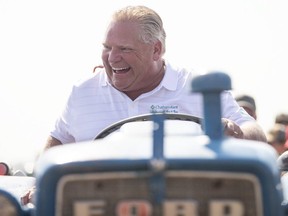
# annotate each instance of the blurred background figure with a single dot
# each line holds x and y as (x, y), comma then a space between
(282, 118)
(4, 169)
(248, 103)
(277, 137)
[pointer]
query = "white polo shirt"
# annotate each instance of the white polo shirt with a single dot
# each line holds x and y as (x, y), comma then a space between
(94, 104)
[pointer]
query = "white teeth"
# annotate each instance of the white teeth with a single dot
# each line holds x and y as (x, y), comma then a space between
(119, 68)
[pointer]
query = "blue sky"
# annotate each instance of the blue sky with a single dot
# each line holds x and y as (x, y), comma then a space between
(47, 45)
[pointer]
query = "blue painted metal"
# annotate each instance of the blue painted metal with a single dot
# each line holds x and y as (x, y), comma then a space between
(14, 207)
(211, 85)
(161, 154)
(157, 180)
(158, 136)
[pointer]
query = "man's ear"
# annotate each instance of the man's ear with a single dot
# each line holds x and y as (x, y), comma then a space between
(157, 50)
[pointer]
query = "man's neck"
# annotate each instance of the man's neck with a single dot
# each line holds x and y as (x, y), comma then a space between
(153, 84)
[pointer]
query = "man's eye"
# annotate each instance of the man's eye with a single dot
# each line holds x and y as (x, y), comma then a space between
(106, 47)
(126, 49)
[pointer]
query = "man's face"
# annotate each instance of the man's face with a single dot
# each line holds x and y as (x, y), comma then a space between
(128, 60)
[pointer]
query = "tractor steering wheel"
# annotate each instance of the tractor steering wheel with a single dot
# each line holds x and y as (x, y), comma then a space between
(147, 117)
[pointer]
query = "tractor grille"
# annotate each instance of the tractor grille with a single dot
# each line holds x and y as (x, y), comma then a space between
(186, 193)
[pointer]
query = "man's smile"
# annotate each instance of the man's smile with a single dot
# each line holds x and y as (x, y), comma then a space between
(120, 70)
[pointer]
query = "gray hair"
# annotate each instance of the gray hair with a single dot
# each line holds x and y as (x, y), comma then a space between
(149, 21)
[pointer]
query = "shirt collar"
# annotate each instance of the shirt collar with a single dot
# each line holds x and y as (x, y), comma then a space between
(170, 78)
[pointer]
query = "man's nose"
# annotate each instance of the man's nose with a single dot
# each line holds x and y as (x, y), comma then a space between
(114, 55)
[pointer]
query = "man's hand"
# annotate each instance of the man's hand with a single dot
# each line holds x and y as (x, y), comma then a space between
(232, 129)
(27, 197)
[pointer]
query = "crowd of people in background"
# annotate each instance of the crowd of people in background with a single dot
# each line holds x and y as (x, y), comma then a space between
(277, 135)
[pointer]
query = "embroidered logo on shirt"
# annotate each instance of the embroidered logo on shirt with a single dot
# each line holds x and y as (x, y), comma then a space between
(164, 109)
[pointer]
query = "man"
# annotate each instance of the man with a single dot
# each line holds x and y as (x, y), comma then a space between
(281, 118)
(137, 80)
(277, 137)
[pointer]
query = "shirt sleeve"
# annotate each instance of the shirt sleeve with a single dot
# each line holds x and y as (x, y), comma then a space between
(61, 130)
(232, 111)
(61, 133)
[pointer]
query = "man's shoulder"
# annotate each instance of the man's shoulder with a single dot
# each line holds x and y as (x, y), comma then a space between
(181, 71)
(90, 79)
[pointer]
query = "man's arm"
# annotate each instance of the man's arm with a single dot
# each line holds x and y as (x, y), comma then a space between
(27, 197)
(253, 131)
(51, 142)
(249, 130)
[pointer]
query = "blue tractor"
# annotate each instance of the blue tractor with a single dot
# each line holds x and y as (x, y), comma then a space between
(159, 164)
